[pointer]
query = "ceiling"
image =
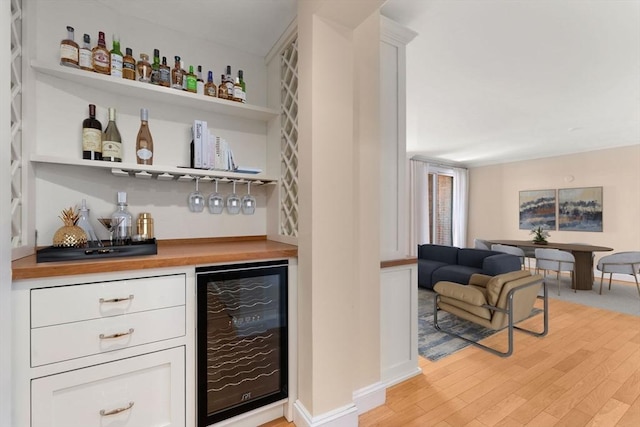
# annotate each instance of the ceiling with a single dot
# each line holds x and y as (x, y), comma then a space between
(496, 81)
(489, 81)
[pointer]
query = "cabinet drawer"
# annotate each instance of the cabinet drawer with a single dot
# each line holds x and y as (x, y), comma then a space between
(52, 344)
(52, 306)
(151, 386)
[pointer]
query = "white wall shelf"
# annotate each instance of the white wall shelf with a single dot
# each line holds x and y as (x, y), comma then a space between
(161, 173)
(155, 93)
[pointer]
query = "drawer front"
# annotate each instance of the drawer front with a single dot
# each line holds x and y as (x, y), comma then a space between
(71, 340)
(63, 304)
(147, 390)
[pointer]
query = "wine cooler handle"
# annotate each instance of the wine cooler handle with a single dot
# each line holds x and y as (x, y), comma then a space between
(105, 413)
(116, 335)
(103, 301)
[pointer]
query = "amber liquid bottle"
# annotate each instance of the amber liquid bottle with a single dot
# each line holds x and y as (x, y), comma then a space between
(210, 88)
(177, 75)
(165, 73)
(129, 65)
(69, 50)
(92, 136)
(144, 141)
(222, 88)
(100, 56)
(85, 54)
(144, 68)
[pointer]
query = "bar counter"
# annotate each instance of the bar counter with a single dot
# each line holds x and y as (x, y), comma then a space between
(171, 253)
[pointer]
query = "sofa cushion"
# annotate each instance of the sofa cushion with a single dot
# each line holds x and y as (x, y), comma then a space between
(473, 257)
(426, 268)
(500, 264)
(454, 273)
(440, 253)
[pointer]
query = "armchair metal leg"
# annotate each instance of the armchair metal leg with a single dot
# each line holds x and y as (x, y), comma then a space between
(510, 326)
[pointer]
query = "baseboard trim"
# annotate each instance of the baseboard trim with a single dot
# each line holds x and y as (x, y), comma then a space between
(370, 397)
(347, 416)
(405, 376)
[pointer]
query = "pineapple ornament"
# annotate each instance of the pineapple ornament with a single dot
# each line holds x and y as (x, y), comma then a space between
(69, 235)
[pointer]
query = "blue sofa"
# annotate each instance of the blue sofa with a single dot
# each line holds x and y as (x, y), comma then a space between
(448, 263)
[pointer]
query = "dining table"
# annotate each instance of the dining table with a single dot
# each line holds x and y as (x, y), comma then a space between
(583, 254)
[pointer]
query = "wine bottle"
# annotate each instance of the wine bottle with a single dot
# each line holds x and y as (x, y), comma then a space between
(85, 54)
(243, 85)
(237, 90)
(69, 50)
(116, 58)
(111, 140)
(100, 56)
(92, 136)
(129, 65)
(144, 141)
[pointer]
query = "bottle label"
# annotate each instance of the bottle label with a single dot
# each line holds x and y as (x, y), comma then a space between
(111, 149)
(116, 65)
(101, 59)
(91, 140)
(192, 84)
(69, 52)
(144, 154)
(200, 87)
(129, 70)
(230, 88)
(85, 59)
(238, 93)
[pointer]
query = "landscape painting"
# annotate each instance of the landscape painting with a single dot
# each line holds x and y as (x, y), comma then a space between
(580, 209)
(538, 209)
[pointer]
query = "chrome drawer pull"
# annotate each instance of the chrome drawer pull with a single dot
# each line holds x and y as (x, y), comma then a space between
(102, 300)
(116, 335)
(116, 411)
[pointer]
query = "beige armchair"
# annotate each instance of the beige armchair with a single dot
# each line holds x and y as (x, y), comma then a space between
(496, 303)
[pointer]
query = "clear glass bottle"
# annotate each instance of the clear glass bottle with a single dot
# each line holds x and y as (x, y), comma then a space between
(121, 221)
(192, 80)
(199, 82)
(210, 88)
(91, 136)
(144, 68)
(144, 140)
(85, 54)
(100, 56)
(129, 65)
(155, 67)
(111, 140)
(116, 58)
(69, 50)
(165, 73)
(176, 75)
(85, 223)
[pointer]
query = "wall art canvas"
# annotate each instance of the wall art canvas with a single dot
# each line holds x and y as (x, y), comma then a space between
(580, 209)
(538, 209)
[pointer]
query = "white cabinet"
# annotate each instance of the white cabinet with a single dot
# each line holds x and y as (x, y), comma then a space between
(114, 349)
(146, 390)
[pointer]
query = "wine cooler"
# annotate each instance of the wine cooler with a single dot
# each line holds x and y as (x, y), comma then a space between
(241, 338)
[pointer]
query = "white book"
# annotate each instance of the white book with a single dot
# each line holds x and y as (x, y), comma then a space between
(219, 164)
(212, 150)
(206, 163)
(197, 144)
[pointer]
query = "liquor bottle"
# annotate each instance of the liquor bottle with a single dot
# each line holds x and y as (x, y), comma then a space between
(155, 67)
(69, 50)
(129, 65)
(91, 136)
(222, 88)
(116, 58)
(192, 80)
(237, 90)
(111, 140)
(243, 85)
(228, 82)
(85, 54)
(177, 75)
(165, 73)
(144, 68)
(144, 141)
(100, 56)
(200, 82)
(184, 75)
(121, 221)
(210, 88)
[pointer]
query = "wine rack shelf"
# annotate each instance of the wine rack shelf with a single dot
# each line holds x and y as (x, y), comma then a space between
(160, 173)
(155, 93)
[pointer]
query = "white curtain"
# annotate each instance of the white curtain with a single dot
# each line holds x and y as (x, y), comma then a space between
(460, 206)
(419, 206)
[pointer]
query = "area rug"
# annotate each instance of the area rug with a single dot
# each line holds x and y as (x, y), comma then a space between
(623, 297)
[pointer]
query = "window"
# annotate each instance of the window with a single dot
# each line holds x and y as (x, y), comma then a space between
(440, 189)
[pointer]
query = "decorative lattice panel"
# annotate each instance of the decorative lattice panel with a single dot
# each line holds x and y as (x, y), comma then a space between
(16, 123)
(289, 141)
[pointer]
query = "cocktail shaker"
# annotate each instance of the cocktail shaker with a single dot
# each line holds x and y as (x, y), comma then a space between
(144, 225)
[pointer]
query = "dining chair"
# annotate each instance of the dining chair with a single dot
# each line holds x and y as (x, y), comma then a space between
(621, 262)
(509, 250)
(481, 244)
(558, 261)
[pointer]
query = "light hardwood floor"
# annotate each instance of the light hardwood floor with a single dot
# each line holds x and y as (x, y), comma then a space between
(585, 372)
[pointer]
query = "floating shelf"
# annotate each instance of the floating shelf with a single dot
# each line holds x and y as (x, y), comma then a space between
(155, 93)
(160, 173)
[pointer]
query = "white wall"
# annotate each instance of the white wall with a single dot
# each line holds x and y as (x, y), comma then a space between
(494, 193)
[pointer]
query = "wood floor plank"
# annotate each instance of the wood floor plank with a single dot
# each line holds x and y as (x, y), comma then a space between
(631, 418)
(630, 390)
(537, 404)
(610, 414)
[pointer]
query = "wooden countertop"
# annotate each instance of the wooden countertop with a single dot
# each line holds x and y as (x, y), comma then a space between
(171, 253)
